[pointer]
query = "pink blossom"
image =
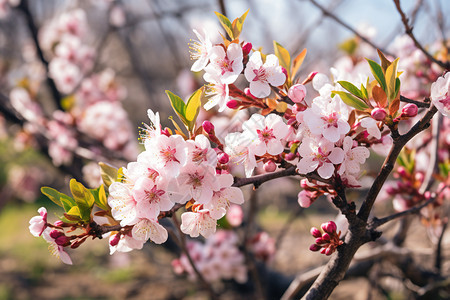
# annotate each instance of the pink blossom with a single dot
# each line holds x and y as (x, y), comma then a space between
(198, 182)
(39, 223)
(440, 95)
(150, 198)
(265, 133)
(200, 151)
(327, 116)
(200, 51)
(320, 155)
(146, 229)
(372, 127)
(217, 92)
(126, 243)
(261, 76)
(235, 215)
(226, 65)
(353, 157)
(238, 147)
(297, 93)
(122, 203)
(55, 249)
(195, 223)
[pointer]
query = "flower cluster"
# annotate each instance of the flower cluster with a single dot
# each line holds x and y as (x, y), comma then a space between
(328, 241)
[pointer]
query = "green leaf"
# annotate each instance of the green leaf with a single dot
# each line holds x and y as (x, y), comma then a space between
(226, 24)
(58, 198)
(193, 107)
(391, 77)
(385, 63)
(351, 88)
(377, 72)
(74, 211)
(178, 106)
(397, 87)
(283, 56)
(238, 24)
(84, 199)
(351, 100)
(364, 92)
(109, 173)
(100, 198)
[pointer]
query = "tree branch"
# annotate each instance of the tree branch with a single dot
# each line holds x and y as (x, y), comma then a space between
(418, 103)
(408, 31)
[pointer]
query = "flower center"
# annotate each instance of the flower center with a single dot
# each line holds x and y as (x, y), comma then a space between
(265, 135)
(331, 120)
(153, 194)
(260, 74)
(446, 101)
(197, 50)
(168, 154)
(226, 65)
(199, 155)
(195, 180)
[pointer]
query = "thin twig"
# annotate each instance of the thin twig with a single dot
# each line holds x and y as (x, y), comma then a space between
(409, 31)
(375, 223)
(418, 103)
(438, 258)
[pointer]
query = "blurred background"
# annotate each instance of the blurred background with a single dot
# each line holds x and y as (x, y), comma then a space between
(117, 62)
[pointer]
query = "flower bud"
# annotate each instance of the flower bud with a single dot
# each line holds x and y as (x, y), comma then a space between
(297, 93)
(319, 241)
(62, 240)
(270, 166)
(115, 240)
(328, 251)
(54, 234)
(315, 232)
(378, 113)
(208, 127)
(246, 48)
(402, 171)
(248, 93)
(304, 200)
(233, 104)
(323, 250)
(326, 237)
(329, 227)
(314, 248)
(410, 110)
(310, 77)
(58, 223)
(223, 158)
(289, 156)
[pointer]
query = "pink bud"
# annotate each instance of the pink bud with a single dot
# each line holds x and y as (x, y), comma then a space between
(289, 156)
(378, 113)
(270, 166)
(115, 240)
(208, 127)
(402, 171)
(329, 227)
(297, 93)
(315, 232)
(310, 77)
(62, 240)
(410, 110)
(166, 131)
(233, 104)
(391, 190)
(323, 250)
(248, 93)
(328, 251)
(58, 223)
(319, 241)
(223, 158)
(304, 200)
(246, 48)
(326, 237)
(314, 248)
(54, 234)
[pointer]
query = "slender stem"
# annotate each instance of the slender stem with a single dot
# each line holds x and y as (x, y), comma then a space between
(438, 259)
(409, 31)
(418, 103)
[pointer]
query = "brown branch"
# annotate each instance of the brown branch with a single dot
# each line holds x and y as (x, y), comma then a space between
(409, 32)
(329, 14)
(438, 258)
(426, 102)
(375, 222)
(23, 6)
(389, 163)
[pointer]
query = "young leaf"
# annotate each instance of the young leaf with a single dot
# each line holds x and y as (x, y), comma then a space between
(193, 107)
(385, 63)
(52, 194)
(391, 77)
(74, 212)
(226, 24)
(397, 87)
(178, 129)
(283, 56)
(84, 199)
(351, 100)
(377, 73)
(100, 198)
(67, 202)
(351, 88)
(297, 63)
(178, 105)
(364, 92)
(109, 173)
(238, 24)
(379, 96)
